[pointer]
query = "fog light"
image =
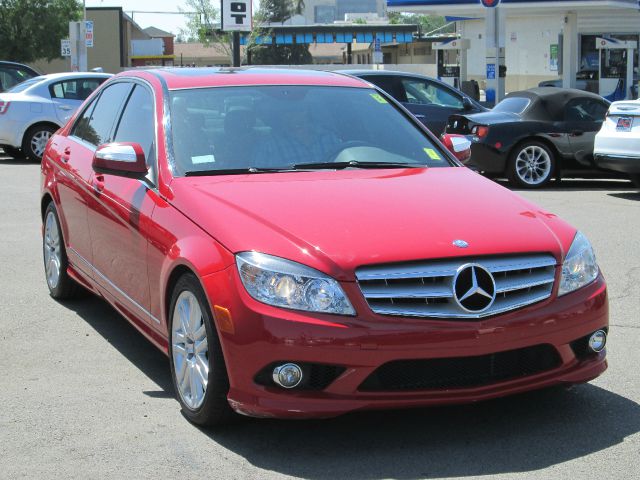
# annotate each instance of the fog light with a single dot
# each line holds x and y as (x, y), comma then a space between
(598, 340)
(288, 375)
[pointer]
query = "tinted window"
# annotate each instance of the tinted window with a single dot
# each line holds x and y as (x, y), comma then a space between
(585, 110)
(11, 76)
(386, 83)
(279, 126)
(77, 89)
(428, 93)
(96, 123)
(512, 105)
(136, 124)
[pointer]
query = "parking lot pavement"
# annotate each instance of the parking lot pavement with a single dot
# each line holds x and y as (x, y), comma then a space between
(83, 395)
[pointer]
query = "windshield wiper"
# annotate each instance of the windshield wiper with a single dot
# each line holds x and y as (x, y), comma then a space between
(354, 164)
(234, 171)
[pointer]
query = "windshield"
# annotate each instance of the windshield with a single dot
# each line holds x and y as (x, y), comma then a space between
(21, 87)
(512, 105)
(284, 127)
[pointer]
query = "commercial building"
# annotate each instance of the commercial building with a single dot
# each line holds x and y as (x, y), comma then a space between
(542, 39)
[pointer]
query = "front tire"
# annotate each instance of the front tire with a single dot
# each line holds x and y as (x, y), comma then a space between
(35, 140)
(531, 165)
(61, 285)
(198, 368)
(13, 152)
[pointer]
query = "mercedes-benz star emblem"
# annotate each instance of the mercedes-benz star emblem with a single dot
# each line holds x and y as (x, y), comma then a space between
(474, 288)
(460, 244)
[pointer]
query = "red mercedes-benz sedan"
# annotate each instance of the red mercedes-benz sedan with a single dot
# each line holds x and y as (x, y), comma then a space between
(300, 246)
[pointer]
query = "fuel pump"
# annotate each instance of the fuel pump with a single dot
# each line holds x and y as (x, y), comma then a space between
(615, 68)
(451, 58)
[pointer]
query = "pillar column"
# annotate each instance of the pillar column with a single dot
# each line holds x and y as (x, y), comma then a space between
(569, 50)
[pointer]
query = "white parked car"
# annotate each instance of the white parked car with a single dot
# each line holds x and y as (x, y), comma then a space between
(32, 110)
(617, 144)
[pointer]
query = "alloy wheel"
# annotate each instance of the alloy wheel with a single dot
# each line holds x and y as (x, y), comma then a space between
(39, 141)
(52, 250)
(190, 350)
(533, 165)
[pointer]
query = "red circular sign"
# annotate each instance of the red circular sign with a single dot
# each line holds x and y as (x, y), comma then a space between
(490, 3)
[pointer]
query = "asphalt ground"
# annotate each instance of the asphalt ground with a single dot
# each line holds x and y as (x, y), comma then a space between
(83, 395)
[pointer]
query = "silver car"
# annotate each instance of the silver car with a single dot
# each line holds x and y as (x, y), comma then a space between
(32, 110)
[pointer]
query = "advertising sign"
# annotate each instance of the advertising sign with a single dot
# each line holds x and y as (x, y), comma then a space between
(491, 71)
(88, 38)
(236, 15)
(553, 57)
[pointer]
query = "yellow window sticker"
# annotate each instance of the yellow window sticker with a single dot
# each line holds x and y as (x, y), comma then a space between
(378, 98)
(433, 155)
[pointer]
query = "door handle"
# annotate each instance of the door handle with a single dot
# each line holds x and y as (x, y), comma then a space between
(65, 107)
(98, 184)
(66, 155)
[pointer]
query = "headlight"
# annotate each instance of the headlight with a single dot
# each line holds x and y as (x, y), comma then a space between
(288, 284)
(579, 267)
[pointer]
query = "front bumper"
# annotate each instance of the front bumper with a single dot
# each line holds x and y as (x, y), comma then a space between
(619, 163)
(261, 335)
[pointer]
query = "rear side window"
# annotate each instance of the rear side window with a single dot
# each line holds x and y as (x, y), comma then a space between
(12, 76)
(77, 89)
(97, 122)
(585, 110)
(136, 124)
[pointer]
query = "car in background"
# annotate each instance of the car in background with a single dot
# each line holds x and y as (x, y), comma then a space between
(12, 73)
(299, 245)
(429, 99)
(533, 135)
(32, 110)
(617, 144)
(588, 80)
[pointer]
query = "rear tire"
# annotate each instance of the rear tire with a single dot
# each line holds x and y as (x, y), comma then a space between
(531, 165)
(198, 369)
(61, 285)
(35, 140)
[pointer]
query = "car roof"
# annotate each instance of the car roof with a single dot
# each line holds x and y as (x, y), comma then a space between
(548, 103)
(71, 75)
(179, 78)
(6, 63)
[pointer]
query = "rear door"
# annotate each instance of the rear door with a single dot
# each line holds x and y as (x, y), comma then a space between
(119, 219)
(583, 120)
(77, 193)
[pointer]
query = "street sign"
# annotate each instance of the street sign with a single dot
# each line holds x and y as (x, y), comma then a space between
(236, 15)
(88, 38)
(65, 47)
(490, 3)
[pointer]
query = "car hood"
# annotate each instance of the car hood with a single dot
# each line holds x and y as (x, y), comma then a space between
(336, 221)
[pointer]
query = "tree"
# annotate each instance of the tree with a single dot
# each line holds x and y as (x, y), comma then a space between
(203, 21)
(277, 11)
(427, 23)
(32, 29)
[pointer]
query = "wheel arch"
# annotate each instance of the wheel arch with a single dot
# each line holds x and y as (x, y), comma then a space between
(38, 123)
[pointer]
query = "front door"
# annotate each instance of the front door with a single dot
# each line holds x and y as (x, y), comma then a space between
(120, 217)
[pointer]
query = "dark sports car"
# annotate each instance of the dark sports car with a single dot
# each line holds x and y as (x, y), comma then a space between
(535, 135)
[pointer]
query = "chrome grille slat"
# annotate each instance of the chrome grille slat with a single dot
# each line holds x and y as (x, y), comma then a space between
(424, 289)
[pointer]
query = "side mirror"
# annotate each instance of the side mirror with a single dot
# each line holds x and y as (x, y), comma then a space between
(467, 104)
(459, 145)
(122, 159)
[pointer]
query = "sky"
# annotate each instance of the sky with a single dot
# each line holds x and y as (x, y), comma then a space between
(166, 22)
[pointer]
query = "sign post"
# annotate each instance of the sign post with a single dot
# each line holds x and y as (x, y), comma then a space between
(377, 52)
(495, 58)
(236, 18)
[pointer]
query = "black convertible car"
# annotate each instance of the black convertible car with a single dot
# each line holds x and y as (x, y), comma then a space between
(535, 135)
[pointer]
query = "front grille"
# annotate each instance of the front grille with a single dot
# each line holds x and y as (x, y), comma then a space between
(425, 289)
(461, 372)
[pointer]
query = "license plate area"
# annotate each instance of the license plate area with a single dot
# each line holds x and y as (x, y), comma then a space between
(624, 124)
